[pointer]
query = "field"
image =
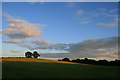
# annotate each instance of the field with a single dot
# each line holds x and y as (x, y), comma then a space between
(44, 68)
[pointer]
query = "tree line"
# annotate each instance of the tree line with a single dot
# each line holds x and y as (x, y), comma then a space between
(94, 62)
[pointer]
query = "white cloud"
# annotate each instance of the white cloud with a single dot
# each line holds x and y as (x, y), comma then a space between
(107, 24)
(19, 28)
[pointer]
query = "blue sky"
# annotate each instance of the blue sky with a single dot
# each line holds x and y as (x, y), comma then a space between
(62, 22)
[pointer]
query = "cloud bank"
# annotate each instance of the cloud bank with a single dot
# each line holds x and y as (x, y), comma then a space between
(94, 48)
(105, 47)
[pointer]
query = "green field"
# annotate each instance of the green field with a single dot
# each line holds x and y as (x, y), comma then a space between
(17, 69)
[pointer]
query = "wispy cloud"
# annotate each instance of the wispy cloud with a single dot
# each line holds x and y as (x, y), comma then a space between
(85, 22)
(71, 4)
(45, 44)
(32, 2)
(94, 14)
(42, 2)
(0, 31)
(102, 9)
(79, 12)
(113, 10)
(15, 51)
(107, 24)
(114, 23)
(11, 41)
(33, 44)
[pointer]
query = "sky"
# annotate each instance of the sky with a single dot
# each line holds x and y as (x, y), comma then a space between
(60, 29)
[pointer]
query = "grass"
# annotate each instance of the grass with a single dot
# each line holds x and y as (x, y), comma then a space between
(55, 69)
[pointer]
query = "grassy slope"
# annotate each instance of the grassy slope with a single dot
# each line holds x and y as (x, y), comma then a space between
(17, 69)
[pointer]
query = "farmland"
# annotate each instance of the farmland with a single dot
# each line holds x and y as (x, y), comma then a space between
(45, 68)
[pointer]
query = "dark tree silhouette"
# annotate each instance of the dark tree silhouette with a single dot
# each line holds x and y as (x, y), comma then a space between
(66, 59)
(91, 61)
(35, 54)
(28, 54)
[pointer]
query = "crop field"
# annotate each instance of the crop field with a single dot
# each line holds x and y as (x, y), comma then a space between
(44, 68)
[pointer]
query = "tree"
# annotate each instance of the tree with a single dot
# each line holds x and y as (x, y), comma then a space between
(35, 54)
(28, 54)
(66, 59)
